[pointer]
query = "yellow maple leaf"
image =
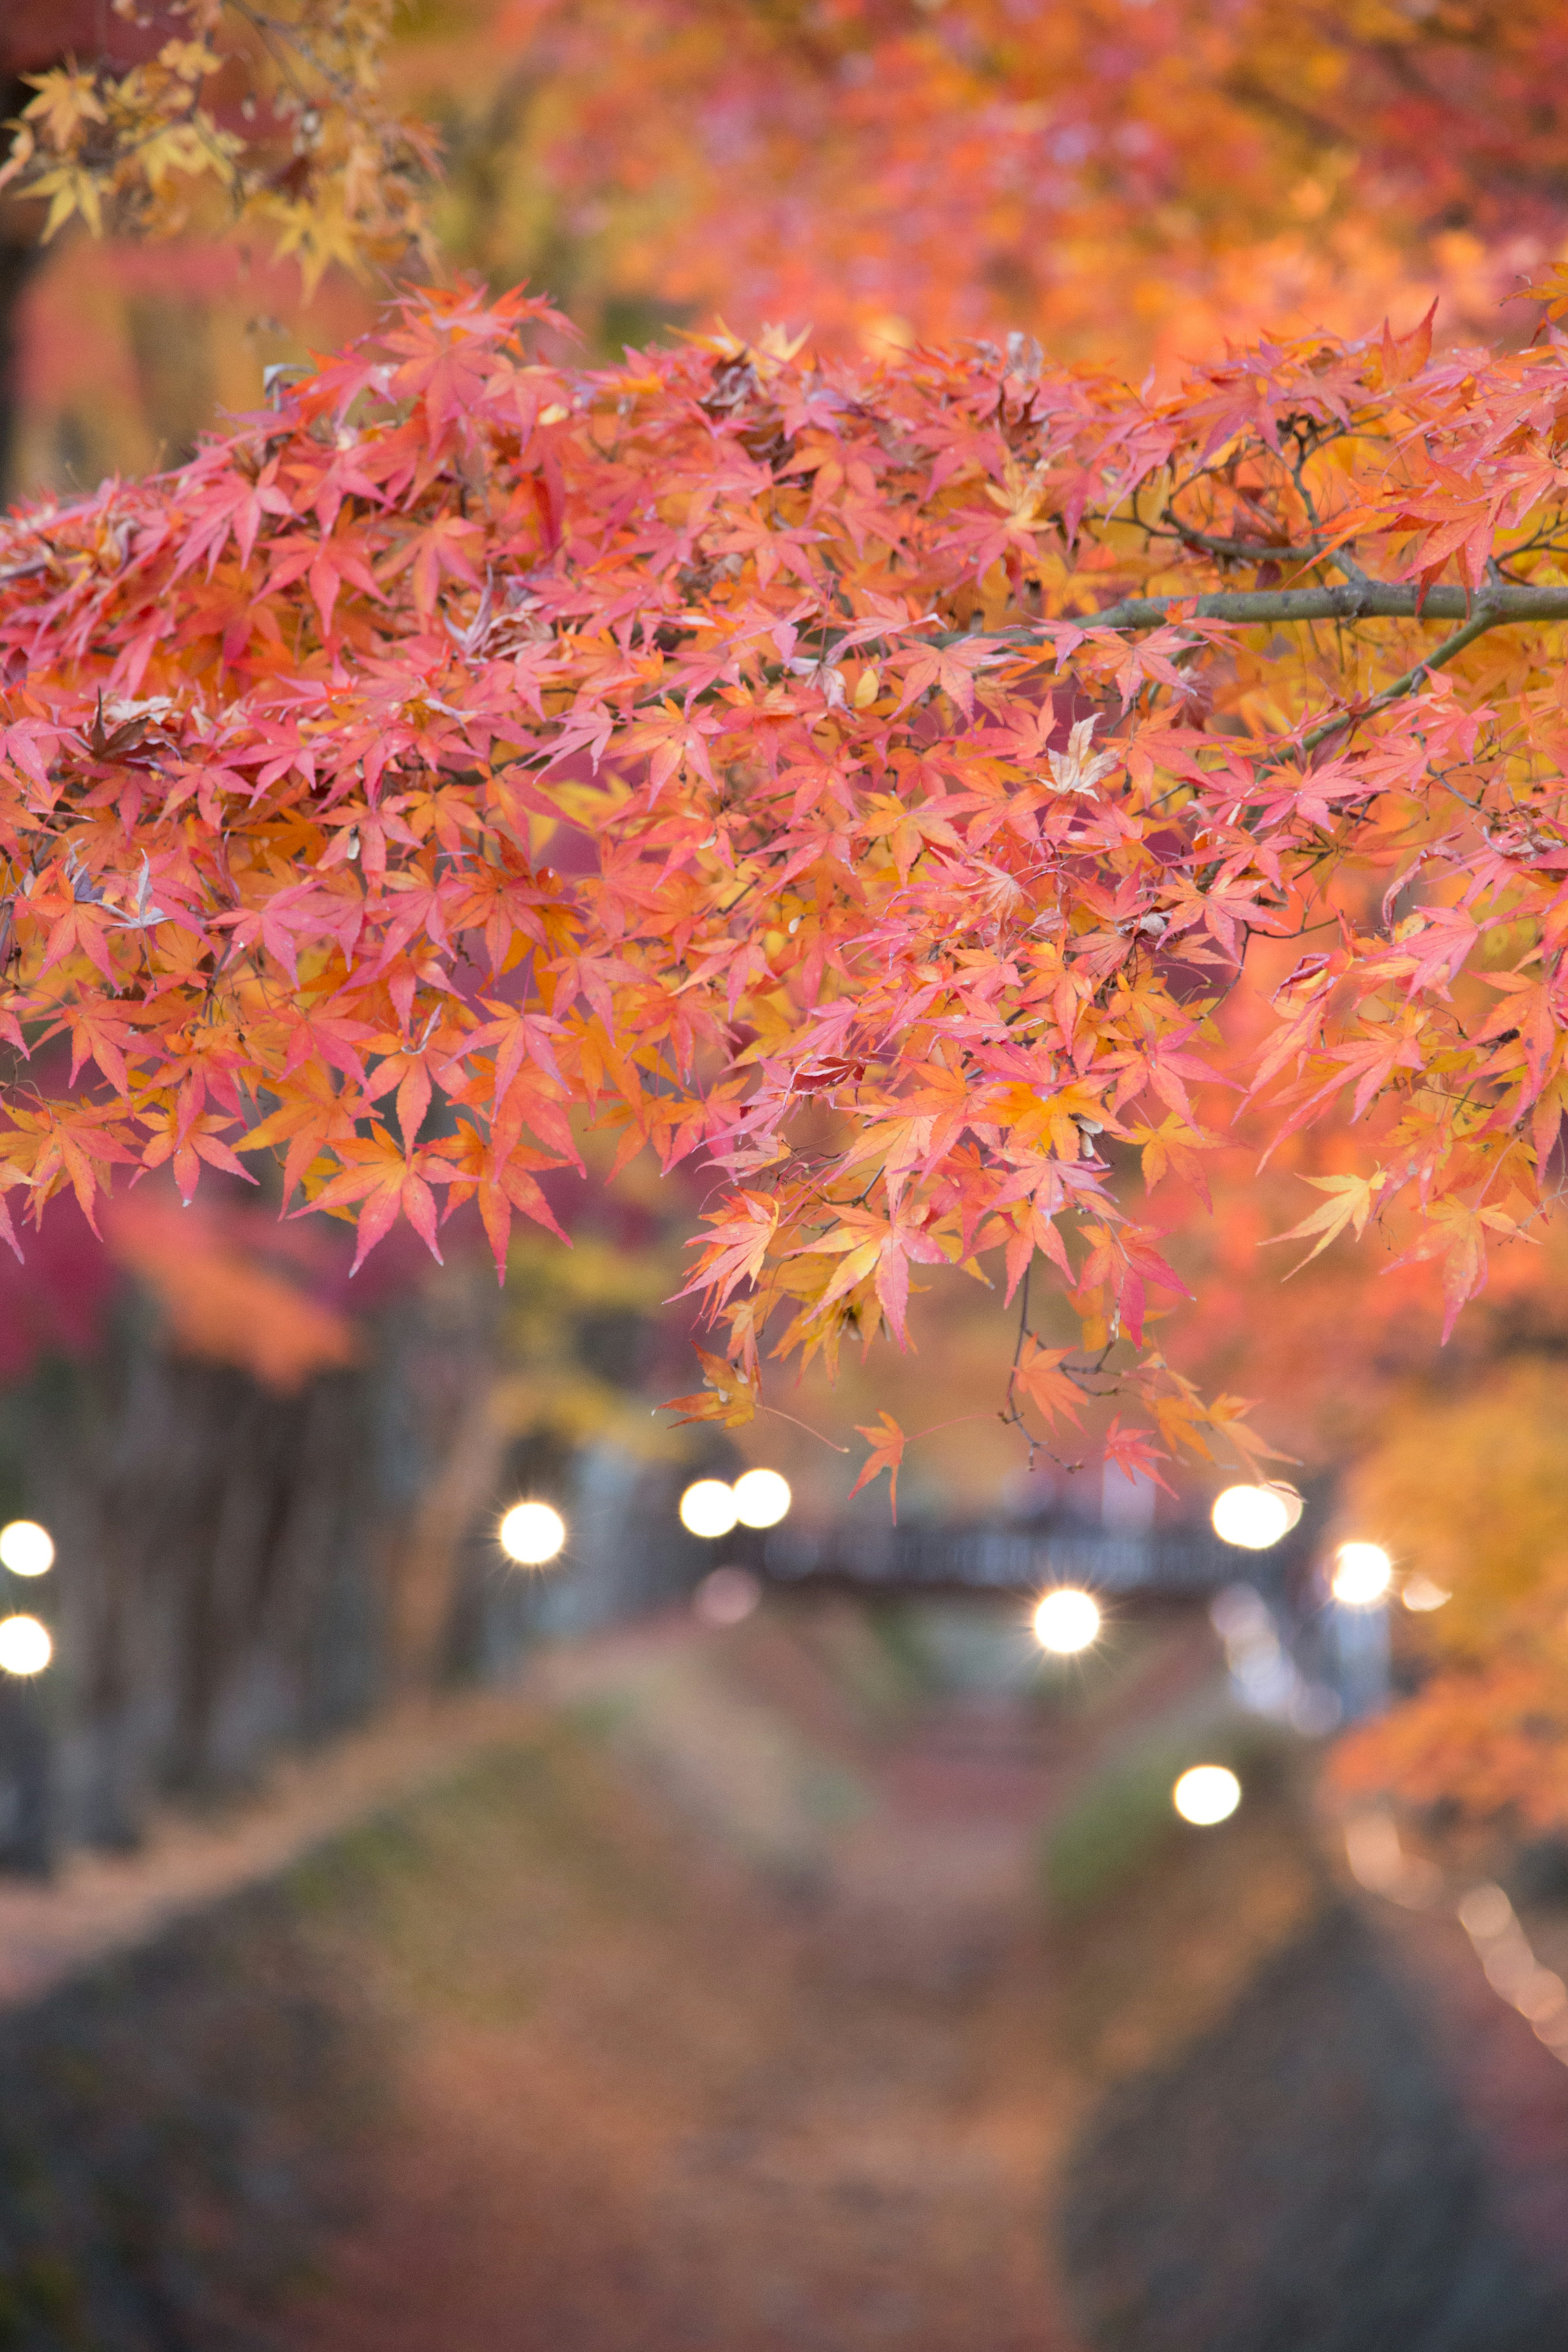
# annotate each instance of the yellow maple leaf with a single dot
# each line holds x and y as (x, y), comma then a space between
(1349, 1202)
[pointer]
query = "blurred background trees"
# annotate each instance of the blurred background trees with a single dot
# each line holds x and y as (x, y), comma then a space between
(1130, 182)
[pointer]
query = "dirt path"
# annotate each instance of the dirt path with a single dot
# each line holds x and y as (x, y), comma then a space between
(794, 2087)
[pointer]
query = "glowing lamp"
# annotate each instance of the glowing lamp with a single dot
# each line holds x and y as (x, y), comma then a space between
(1066, 1621)
(532, 1533)
(25, 1646)
(1361, 1576)
(26, 1549)
(708, 1509)
(761, 1498)
(1205, 1794)
(1255, 1517)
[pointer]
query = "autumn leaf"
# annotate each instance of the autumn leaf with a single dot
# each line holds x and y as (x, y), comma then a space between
(1135, 1453)
(390, 1181)
(728, 1395)
(1048, 1389)
(499, 1172)
(1077, 769)
(738, 1248)
(886, 1443)
(1351, 1202)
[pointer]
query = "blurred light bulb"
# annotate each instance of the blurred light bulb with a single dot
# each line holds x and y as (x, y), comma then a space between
(1066, 1621)
(728, 1597)
(1255, 1517)
(26, 1549)
(708, 1509)
(1485, 1912)
(532, 1533)
(1420, 1593)
(1363, 1574)
(1542, 1995)
(761, 1498)
(1206, 1794)
(25, 1646)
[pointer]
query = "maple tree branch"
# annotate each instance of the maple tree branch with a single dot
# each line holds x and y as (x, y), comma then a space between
(1241, 550)
(1473, 628)
(1255, 550)
(1355, 600)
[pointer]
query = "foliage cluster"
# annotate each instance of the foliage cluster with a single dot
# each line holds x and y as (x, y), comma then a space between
(866, 775)
(256, 114)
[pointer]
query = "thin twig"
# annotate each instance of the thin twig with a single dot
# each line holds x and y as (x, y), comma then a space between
(1476, 627)
(779, 1414)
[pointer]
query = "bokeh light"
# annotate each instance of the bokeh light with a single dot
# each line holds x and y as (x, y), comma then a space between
(533, 1533)
(25, 1646)
(1205, 1794)
(26, 1549)
(728, 1597)
(1421, 1594)
(1066, 1621)
(761, 1498)
(1363, 1574)
(1255, 1517)
(708, 1509)
(1485, 1911)
(1543, 1995)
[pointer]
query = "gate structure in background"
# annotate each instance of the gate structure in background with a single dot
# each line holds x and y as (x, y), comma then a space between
(1286, 1643)
(1180, 1563)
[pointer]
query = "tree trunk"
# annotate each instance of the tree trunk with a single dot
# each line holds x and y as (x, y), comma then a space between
(240, 1571)
(19, 250)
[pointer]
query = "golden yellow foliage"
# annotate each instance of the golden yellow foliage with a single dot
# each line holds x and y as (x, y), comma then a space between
(263, 116)
(1472, 1492)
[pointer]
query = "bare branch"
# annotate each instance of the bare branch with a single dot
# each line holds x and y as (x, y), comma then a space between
(1373, 600)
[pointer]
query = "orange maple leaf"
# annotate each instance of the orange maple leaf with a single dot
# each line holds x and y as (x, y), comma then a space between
(729, 1395)
(390, 1181)
(887, 1444)
(1045, 1385)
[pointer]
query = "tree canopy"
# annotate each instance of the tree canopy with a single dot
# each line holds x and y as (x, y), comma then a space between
(1127, 179)
(1133, 184)
(867, 780)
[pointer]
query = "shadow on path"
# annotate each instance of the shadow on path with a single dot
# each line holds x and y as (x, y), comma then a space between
(1302, 2176)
